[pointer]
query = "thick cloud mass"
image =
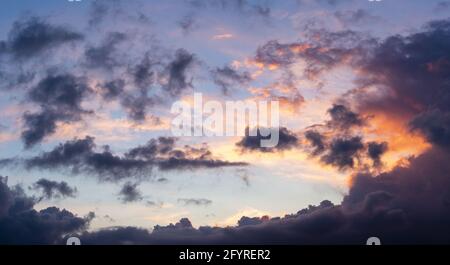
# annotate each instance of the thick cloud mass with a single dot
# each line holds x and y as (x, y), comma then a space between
(33, 36)
(21, 224)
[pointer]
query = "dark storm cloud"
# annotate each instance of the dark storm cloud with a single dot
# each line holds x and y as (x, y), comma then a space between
(59, 97)
(80, 156)
(193, 201)
(414, 79)
(287, 140)
(130, 193)
(343, 152)
(226, 78)
(342, 118)
(104, 56)
(21, 224)
(176, 72)
(404, 206)
(375, 151)
(53, 189)
(34, 36)
(316, 140)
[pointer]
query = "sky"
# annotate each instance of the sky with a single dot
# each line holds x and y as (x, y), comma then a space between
(86, 147)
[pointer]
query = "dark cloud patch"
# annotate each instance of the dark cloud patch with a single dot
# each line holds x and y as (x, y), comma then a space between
(195, 202)
(258, 8)
(226, 78)
(375, 151)
(112, 89)
(320, 52)
(59, 97)
(316, 140)
(80, 156)
(442, 6)
(342, 118)
(21, 224)
(176, 73)
(435, 125)
(98, 11)
(104, 56)
(53, 189)
(187, 24)
(287, 140)
(343, 152)
(34, 36)
(130, 193)
(408, 205)
(143, 74)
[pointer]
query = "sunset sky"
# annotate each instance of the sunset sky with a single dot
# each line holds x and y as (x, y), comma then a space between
(86, 90)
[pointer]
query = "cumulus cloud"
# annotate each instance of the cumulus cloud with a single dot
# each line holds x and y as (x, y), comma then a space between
(34, 36)
(194, 201)
(287, 140)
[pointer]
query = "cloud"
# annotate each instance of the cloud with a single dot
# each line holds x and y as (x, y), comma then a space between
(343, 152)
(287, 140)
(21, 224)
(187, 23)
(196, 202)
(80, 156)
(316, 140)
(408, 205)
(34, 36)
(355, 17)
(342, 118)
(130, 193)
(227, 77)
(104, 56)
(259, 9)
(59, 97)
(176, 72)
(53, 189)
